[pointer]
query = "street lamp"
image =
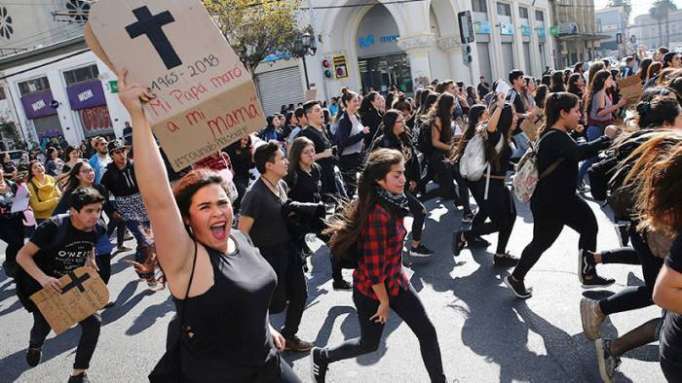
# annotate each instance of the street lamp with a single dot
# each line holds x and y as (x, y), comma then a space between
(304, 46)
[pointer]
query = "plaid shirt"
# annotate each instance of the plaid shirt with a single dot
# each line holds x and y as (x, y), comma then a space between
(381, 243)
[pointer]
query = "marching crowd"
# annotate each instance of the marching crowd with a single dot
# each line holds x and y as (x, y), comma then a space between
(228, 235)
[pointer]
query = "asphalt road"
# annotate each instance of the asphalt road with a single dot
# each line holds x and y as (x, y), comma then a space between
(485, 334)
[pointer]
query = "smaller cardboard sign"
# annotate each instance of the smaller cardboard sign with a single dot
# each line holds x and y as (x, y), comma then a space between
(83, 293)
(631, 89)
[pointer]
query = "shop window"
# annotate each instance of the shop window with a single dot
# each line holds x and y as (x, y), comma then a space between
(81, 74)
(35, 85)
(479, 6)
(503, 9)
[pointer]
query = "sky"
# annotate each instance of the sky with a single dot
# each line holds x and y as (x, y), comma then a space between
(639, 7)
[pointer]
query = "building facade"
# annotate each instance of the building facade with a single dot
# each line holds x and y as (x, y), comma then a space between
(575, 30)
(613, 22)
(373, 47)
(652, 33)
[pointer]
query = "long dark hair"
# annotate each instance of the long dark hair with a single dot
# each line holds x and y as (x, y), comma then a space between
(366, 105)
(597, 85)
(573, 84)
(443, 110)
(72, 181)
(388, 122)
(541, 95)
(346, 96)
(475, 113)
(299, 144)
(557, 82)
(657, 107)
(345, 228)
(554, 104)
(428, 98)
(504, 126)
(644, 68)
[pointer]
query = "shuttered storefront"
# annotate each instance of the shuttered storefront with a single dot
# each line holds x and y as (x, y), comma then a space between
(280, 87)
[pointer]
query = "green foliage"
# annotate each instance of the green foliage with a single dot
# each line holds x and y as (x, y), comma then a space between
(256, 28)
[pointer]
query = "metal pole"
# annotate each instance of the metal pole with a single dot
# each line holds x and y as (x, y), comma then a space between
(305, 70)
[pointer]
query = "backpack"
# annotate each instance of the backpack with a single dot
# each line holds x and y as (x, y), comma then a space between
(526, 178)
(472, 163)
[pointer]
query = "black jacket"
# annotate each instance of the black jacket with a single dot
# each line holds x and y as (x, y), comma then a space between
(412, 169)
(372, 119)
(120, 182)
(343, 137)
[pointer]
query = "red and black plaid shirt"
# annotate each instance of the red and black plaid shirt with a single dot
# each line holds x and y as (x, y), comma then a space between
(381, 243)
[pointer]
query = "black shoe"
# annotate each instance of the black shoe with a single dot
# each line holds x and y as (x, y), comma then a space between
(593, 280)
(33, 356)
(319, 365)
(478, 242)
(458, 242)
(341, 285)
(81, 378)
(420, 251)
(518, 287)
(505, 260)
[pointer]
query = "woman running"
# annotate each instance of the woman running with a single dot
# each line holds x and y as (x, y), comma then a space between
(220, 283)
(373, 224)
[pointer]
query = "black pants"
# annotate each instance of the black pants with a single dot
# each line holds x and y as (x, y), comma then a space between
(12, 233)
(547, 225)
(86, 345)
(120, 227)
(276, 370)
(291, 286)
(632, 298)
(350, 165)
(462, 190)
(671, 370)
(499, 207)
(443, 171)
(410, 309)
(418, 212)
(104, 264)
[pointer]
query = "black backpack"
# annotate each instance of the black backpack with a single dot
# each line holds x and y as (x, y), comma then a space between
(424, 143)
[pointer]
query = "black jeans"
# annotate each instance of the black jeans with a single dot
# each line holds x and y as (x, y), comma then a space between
(462, 190)
(350, 165)
(418, 212)
(443, 171)
(499, 207)
(632, 298)
(86, 345)
(276, 370)
(12, 233)
(547, 225)
(291, 286)
(120, 227)
(104, 264)
(409, 308)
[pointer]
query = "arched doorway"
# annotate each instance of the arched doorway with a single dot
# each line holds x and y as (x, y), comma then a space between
(381, 62)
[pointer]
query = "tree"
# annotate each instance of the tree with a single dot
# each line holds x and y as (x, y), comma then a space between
(256, 29)
(660, 11)
(626, 4)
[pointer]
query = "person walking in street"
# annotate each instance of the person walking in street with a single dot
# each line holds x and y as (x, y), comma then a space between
(554, 204)
(44, 192)
(220, 283)
(59, 246)
(373, 225)
(350, 136)
(262, 220)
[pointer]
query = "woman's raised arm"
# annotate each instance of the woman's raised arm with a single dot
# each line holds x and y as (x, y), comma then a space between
(173, 243)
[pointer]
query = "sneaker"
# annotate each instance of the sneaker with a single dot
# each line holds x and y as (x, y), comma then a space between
(592, 317)
(122, 249)
(458, 242)
(319, 365)
(467, 217)
(505, 260)
(586, 264)
(420, 251)
(342, 284)
(607, 362)
(297, 345)
(593, 280)
(33, 356)
(478, 242)
(518, 287)
(81, 378)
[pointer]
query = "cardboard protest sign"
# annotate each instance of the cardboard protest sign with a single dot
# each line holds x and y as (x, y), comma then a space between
(83, 293)
(631, 89)
(205, 98)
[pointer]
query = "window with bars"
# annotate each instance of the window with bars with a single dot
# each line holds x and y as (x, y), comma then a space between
(81, 74)
(35, 85)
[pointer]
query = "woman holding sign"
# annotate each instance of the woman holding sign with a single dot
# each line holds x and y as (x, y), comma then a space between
(220, 283)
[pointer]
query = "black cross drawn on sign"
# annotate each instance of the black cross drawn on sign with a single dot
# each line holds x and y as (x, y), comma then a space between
(76, 282)
(151, 26)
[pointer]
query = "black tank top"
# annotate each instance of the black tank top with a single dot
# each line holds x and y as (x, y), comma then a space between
(228, 328)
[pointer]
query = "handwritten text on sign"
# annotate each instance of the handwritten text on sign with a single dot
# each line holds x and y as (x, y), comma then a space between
(205, 99)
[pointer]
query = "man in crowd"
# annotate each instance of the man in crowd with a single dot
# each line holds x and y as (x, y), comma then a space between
(515, 96)
(100, 160)
(483, 88)
(60, 245)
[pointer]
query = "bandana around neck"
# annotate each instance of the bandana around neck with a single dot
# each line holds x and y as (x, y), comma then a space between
(396, 202)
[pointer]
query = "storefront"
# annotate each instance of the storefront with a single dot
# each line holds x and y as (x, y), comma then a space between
(40, 109)
(87, 101)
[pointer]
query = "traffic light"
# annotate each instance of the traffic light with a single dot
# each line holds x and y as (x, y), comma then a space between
(619, 38)
(327, 68)
(466, 27)
(467, 55)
